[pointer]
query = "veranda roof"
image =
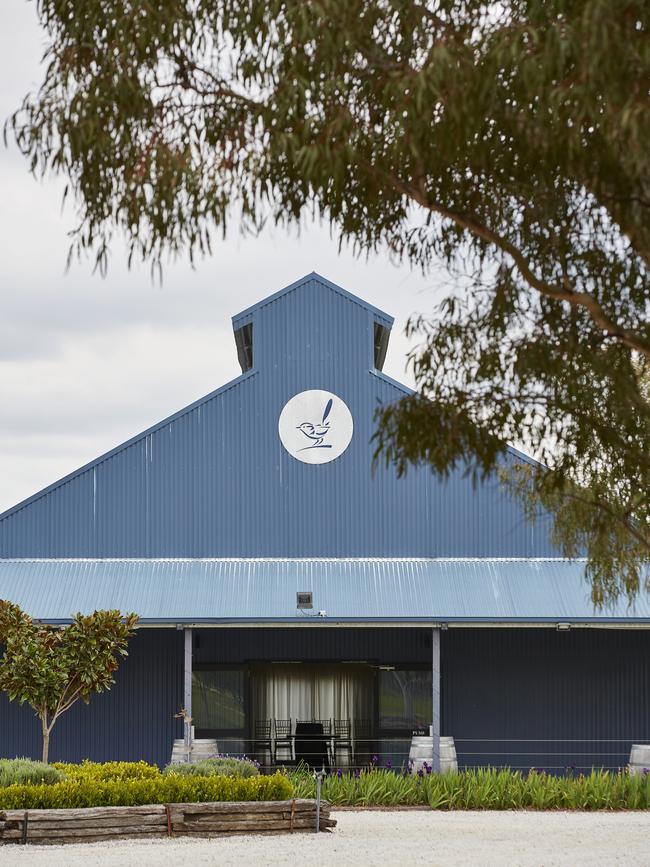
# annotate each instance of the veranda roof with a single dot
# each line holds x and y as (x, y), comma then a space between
(358, 590)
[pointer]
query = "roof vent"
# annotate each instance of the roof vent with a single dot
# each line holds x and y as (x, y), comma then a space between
(304, 599)
(244, 343)
(380, 345)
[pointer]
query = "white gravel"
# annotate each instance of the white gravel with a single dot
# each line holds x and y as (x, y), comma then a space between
(385, 838)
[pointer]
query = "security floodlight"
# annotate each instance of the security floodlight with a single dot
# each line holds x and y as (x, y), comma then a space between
(304, 599)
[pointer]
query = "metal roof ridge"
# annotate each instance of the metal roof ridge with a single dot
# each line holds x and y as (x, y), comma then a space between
(313, 275)
(369, 559)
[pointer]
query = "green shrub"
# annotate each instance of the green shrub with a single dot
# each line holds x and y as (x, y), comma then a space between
(109, 771)
(223, 765)
(27, 771)
(169, 789)
(481, 789)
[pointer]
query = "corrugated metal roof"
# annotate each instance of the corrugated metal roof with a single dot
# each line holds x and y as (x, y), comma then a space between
(356, 590)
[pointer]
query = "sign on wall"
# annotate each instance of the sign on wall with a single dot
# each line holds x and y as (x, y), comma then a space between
(315, 426)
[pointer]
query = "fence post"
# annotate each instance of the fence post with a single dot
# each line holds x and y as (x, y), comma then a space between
(319, 780)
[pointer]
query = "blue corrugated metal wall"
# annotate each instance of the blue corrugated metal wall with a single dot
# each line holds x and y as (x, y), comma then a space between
(135, 720)
(510, 697)
(214, 480)
(312, 644)
(541, 698)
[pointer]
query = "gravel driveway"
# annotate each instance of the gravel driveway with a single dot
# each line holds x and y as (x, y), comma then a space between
(385, 838)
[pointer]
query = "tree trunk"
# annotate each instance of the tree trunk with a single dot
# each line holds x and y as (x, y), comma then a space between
(46, 742)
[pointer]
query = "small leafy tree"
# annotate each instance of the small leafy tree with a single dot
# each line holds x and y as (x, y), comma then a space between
(50, 668)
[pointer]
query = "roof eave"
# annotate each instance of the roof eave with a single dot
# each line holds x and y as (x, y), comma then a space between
(419, 621)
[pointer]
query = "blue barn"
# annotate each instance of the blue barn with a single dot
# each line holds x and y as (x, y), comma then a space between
(282, 582)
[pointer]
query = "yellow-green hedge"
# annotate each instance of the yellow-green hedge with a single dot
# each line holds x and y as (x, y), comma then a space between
(86, 792)
(109, 771)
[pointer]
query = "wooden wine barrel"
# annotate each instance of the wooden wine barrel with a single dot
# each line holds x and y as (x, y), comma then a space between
(201, 748)
(421, 752)
(639, 759)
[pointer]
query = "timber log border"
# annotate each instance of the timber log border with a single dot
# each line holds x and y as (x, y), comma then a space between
(220, 818)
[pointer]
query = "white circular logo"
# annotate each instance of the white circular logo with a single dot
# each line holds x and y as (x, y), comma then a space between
(315, 426)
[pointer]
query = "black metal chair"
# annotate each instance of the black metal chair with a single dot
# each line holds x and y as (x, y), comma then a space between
(262, 737)
(342, 738)
(283, 738)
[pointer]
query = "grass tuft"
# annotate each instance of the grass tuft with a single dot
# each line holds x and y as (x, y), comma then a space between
(225, 765)
(23, 771)
(480, 789)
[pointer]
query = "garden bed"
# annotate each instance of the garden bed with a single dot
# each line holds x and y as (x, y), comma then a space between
(90, 824)
(480, 789)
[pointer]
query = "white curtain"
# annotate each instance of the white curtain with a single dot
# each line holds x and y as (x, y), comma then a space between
(306, 692)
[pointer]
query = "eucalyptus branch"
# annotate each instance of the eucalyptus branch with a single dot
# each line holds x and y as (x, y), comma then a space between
(631, 527)
(512, 144)
(469, 221)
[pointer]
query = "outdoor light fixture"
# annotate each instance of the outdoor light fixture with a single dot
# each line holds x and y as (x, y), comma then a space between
(304, 599)
(563, 627)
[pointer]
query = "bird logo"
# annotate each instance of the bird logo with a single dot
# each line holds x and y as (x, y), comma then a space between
(316, 432)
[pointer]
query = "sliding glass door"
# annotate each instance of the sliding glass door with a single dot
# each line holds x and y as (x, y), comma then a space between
(382, 705)
(220, 707)
(403, 707)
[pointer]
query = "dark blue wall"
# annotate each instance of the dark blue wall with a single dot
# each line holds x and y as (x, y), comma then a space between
(214, 480)
(541, 698)
(135, 720)
(515, 697)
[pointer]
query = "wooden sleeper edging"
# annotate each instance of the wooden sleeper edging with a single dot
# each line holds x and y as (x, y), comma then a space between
(90, 824)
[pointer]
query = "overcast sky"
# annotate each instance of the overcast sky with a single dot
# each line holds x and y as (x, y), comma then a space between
(87, 362)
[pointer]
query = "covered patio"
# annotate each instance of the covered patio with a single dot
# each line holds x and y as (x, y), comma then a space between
(336, 714)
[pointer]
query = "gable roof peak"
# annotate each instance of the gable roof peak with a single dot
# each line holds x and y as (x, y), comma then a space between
(240, 318)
